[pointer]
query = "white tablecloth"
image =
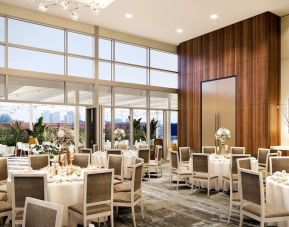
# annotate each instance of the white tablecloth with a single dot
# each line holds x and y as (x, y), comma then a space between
(277, 195)
(99, 158)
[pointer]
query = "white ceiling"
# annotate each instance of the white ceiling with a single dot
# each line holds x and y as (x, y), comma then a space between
(159, 19)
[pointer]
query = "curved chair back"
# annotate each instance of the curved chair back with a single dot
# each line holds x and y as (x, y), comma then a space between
(81, 160)
(237, 150)
(208, 149)
(185, 154)
(37, 162)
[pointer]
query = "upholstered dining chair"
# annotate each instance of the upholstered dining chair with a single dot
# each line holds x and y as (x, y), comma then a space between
(113, 151)
(95, 148)
(116, 162)
(86, 151)
(262, 158)
(244, 163)
(37, 162)
(157, 162)
(253, 202)
(185, 155)
(26, 185)
(143, 146)
(41, 213)
(5, 211)
(268, 167)
(201, 171)
(81, 160)
(176, 170)
(97, 198)
(134, 196)
(209, 149)
(279, 164)
(237, 150)
(3, 174)
(145, 155)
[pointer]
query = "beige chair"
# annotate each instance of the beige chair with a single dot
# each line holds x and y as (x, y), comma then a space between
(97, 198)
(157, 162)
(268, 167)
(26, 185)
(279, 164)
(244, 163)
(201, 171)
(79, 149)
(145, 155)
(134, 196)
(253, 202)
(3, 174)
(5, 211)
(34, 213)
(116, 162)
(176, 170)
(86, 151)
(262, 158)
(81, 160)
(209, 149)
(113, 151)
(143, 146)
(237, 150)
(185, 155)
(95, 148)
(37, 162)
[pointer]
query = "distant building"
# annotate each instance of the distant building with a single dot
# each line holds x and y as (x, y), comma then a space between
(69, 117)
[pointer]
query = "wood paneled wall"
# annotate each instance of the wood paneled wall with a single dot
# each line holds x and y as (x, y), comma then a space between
(249, 49)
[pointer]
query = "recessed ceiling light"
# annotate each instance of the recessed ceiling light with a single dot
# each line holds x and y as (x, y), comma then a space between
(179, 30)
(128, 15)
(214, 16)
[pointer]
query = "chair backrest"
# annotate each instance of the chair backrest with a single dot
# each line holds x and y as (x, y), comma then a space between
(237, 150)
(158, 152)
(185, 154)
(137, 178)
(174, 160)
(200, 163)
(145, 155)
(3, 169)
(79, 148)
(279, 164)
(34, 213)
(139, 160)
(95, 147)
(208, 149)
(251, 186)
(98, 188)
(262, 155)
(81, 160)
(244, 163)
(27, 185)
(234, 157)
(113, 151)
(279, 153)
(86, 151)
(143, 146)
(116, 162)
(269, 156)
(37, 162)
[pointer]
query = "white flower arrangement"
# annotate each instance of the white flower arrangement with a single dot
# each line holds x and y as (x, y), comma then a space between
(64, 137)
(119, 133)
(222, 135)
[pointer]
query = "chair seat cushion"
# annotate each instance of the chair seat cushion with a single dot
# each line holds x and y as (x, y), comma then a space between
(78, 208)
(236, 197)
(123, 187)
(227, 178)
(154, 163)
(3, 188)
(124, 197)
(116, 181)
(270, 211)
(183, 172)
(4, 207)
(203, 176)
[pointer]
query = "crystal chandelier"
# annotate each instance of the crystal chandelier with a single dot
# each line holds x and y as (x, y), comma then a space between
(72, 6)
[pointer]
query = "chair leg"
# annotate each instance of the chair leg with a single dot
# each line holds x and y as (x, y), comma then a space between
(262, 223)
(133, 216)
(170, 179)
(209, 187)
(178, 182)
(111, 219)
(241, 218)
(230, 210)
(84, 222)
(141, 206)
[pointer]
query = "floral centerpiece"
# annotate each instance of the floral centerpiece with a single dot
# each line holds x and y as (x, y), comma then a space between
(119, 134)
(222, 135)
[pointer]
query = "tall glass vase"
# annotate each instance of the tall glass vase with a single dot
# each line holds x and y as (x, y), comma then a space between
(222, 149)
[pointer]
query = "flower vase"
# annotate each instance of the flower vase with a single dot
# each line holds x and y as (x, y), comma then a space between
(222, 149)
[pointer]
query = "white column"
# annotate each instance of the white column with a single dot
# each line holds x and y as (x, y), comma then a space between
(30, 116)
(76, 122)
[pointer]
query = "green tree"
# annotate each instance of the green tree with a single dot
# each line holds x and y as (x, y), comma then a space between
(38, 130)
(153, 127)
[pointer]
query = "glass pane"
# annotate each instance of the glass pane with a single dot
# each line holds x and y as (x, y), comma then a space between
(130, 97)
(122, 122)
(31, 90)
(129, 74)
(104, 70)
(104, 49)
(164, 79)
(159, 100)
(83, 91)
(34, 35)
(156, 124)
(80, 44)
(173, 101)
(164, 60)
(35, 61)
(174, 126)
(82, 123)
(2, 87)
(80, 67)
(2, 29)
(2, 56)
(104, 94)
(130, 54)
(107, 132)
(139, 127)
